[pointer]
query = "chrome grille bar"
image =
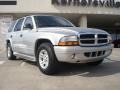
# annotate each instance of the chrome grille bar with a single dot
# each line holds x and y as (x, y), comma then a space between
(93, 39)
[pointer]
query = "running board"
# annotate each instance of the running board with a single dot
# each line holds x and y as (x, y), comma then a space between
(27, 57)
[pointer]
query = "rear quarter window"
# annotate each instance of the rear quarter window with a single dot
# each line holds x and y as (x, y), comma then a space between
(11, 26)
(18, 25)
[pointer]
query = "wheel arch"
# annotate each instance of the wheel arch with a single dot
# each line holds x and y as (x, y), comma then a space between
(39, 42)
(8, 41)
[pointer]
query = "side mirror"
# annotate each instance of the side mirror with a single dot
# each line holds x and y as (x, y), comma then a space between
(28, 26)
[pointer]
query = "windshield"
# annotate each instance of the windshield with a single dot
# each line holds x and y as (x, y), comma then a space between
(51, 21)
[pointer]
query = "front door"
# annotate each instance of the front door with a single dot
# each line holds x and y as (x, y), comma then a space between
(27, 38)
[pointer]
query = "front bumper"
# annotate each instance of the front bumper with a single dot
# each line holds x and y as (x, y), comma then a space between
(77, 54)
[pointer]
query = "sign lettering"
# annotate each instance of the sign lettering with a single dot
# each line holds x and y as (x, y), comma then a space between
(95, 3)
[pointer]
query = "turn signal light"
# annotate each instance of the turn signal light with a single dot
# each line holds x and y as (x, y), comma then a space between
(68, 43)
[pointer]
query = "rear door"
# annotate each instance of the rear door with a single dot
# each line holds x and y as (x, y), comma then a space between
(10, 31)
(16, 36)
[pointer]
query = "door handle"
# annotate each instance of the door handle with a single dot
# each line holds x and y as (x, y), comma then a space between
(11, 36)
(21, 35)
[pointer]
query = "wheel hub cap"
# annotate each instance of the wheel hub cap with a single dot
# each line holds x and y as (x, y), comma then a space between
(43, 59)
(8, 52)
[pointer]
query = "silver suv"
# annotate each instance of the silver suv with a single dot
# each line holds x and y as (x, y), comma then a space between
(49, 40)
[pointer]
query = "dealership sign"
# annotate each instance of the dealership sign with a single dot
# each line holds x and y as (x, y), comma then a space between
(95, 3)
(8, 2)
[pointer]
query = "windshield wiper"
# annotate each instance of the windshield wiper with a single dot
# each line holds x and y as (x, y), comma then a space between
(68, 26)
(55, 26)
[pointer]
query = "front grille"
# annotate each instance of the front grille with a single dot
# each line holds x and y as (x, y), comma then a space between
(95, 54)
(87, 36)
(102, 36)
(102, 41)
(93, 39)
(88, 41)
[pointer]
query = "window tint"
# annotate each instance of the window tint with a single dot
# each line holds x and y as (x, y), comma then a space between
(28, 24)
(11, 26)
(18, 25)
(51, 21)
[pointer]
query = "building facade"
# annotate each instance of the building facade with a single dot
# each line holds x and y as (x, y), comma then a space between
(102, 14)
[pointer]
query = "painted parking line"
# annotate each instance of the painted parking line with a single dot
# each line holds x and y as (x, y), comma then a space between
(112, 58)
(2, 62)
(22, 64)
(116, 56)
(108, 60)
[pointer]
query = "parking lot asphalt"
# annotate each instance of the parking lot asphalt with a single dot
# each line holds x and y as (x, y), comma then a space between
(24, 75)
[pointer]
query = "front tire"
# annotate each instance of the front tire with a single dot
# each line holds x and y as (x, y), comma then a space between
(10, 54)
(46, 59)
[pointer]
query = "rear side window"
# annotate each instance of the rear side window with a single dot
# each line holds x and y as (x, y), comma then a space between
(11, 26)
(18, 25)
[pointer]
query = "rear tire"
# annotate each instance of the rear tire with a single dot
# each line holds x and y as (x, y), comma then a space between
(95, 63)
(46, 59)
(10, 54)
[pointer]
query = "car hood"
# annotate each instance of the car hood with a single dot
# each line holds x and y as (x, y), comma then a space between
(71, 30)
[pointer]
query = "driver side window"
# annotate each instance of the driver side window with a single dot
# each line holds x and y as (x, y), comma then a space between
(28, 24)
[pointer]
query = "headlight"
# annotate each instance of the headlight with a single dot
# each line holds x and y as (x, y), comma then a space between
(109, 38)
(69, 41)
